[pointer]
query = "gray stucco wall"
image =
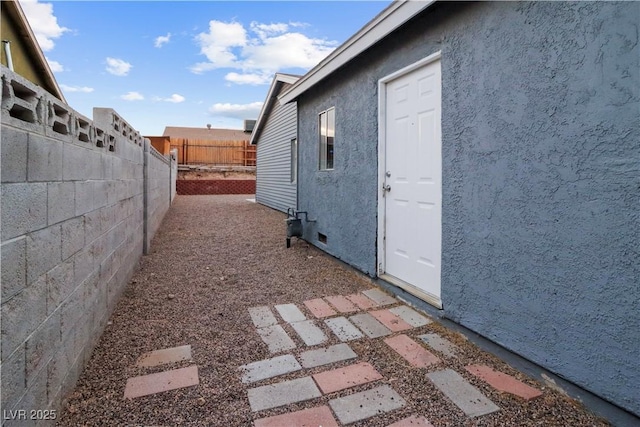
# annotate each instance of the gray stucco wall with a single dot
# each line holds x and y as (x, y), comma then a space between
(541, 182)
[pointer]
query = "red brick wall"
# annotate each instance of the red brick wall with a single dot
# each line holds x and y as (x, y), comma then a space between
(215, 186)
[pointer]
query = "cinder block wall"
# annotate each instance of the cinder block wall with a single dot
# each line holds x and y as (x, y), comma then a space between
(72, 231)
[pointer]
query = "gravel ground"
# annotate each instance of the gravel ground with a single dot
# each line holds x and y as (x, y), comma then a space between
(219, 255)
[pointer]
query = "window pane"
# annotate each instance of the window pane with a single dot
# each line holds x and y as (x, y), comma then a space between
(331, 132)
(294, 159)
(323, 140)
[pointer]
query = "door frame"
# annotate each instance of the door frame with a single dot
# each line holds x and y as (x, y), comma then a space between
(382, 161)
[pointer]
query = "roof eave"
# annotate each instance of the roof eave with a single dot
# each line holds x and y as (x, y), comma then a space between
(390, 19)
(278, 80)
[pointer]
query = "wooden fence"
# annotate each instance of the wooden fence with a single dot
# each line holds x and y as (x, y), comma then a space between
(219, 153)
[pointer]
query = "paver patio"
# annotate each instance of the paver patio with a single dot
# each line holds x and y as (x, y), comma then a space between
(254, 313)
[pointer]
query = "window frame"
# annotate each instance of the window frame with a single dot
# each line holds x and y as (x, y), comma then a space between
(326, 132)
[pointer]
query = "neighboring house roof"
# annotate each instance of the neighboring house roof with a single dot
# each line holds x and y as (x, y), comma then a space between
(27, 56)
(279, 80)
(206, 133)
(390, 19)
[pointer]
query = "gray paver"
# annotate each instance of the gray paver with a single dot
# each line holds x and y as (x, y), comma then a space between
(283, 393)
(276, 338)
(269, 368)
(324, 356)
(344, 330)
(366, 404)
(370, 325)
(380, 297)
(309, 332)
(164, 356)
(290, 313)
(464, 395)
(440, 344)
(410, 316)
(262, 316)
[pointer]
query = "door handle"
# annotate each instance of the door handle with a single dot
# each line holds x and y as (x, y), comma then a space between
(386, 188)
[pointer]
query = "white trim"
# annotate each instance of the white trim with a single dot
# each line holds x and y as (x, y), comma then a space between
(382, 143)
(391, 18)
(268, 103)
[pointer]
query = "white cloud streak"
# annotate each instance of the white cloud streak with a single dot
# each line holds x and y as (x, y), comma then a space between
(132, 96)
(43, 23)
(259, 51)
(83, 89)
(162, 40)
(118, 67)
(175, 98)
(236, 111)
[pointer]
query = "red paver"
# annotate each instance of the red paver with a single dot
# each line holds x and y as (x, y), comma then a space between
(342, 378)
(319, 308)
(164, 356)
(411, 351)
(504, 382)
(390, 320)
(162, 381)
(342, 304)
(314, 417)
(412, 421)
(362, 301)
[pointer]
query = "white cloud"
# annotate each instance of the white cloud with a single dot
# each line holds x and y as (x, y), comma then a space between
(43, 23)
(258, 52)
(175, 98)
(161, 40)
(132, 96)
(248, 79)
(236, 111)
(118, 67)
(83, 89)
(55, 66)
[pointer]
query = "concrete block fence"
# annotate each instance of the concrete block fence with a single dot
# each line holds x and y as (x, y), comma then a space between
(80, 202)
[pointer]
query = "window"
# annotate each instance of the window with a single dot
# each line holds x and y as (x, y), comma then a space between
(327, 125)
(294, 160)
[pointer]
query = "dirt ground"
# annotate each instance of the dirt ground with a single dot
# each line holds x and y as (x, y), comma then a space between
(213, 258)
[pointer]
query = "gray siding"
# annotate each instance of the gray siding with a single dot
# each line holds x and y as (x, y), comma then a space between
(540, 139)
(273, 174)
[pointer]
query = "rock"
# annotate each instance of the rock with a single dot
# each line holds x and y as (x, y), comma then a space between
(171, 296)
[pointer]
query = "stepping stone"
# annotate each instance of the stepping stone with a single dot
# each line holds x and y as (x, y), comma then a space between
(162, 381)
(369, 325)
(262, 317)
(309, 332)
(362, 301)
(167, 355)
(320, 416)
(440, 344)
(504, 382)
(347, 377)
(343, 329)
(283, 393)
(412, 421)
(319, 308)
(393, 322)
(366, 404)
(410, 316)
(290, 313)
(411, 351)
(324, 356)
(276, 338)
(464, 395)
(379, 297)
(342, 304)
(269, 368)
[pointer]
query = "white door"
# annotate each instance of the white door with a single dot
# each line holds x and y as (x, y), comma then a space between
(411, 178)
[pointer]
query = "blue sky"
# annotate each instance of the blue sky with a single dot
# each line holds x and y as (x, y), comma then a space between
(179, 63)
